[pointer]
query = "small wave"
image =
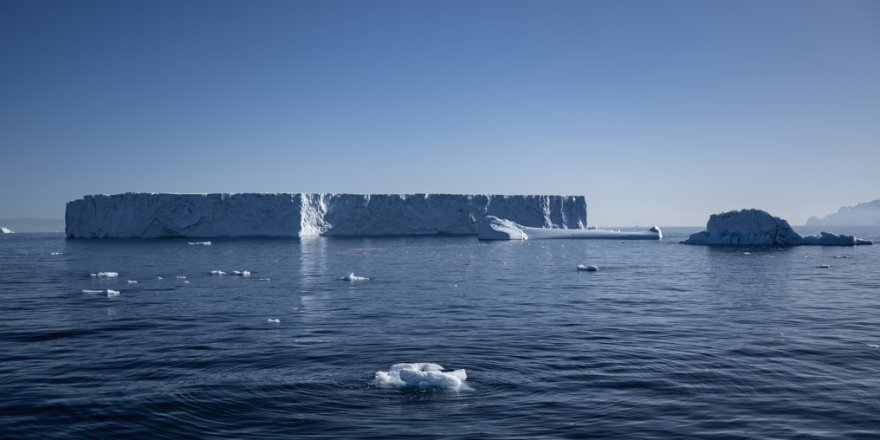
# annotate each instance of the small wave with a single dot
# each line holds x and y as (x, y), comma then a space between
(105, 275)
(109, 293)
(423, 377)
(132, 282)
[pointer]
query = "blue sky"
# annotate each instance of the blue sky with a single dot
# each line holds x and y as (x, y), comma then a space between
(659, 112)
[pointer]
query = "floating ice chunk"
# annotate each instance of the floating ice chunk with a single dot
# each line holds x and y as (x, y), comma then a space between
(185, 281)
(6, 231)
(352, 277)
(589, 268)
(160, 278)
(181, 277)
(199, 243)
(105, 275)
(108, 293)
(55, 253)
(823, 266)
(132, 282)
(421, 376)
(241, 273)
(217, 272)
(273, 321)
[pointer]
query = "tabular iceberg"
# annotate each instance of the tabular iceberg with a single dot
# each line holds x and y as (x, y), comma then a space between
(754, 227)
(146, 215)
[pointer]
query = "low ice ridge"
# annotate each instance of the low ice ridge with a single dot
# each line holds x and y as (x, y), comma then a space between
(422, 377)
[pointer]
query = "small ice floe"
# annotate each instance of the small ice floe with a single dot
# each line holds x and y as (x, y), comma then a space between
(160, 278)
(352, 277)
(181, 277)
(874, 346)
(199, 243)
(132, 282)
(422, 377)
(217, 272)
(589, 268)
(273, 321)
(242, 273)
(6, 231)
(264, 279)
(55, 254)
(105, 275)
(109, 293)
(823, 266)
(185, 281)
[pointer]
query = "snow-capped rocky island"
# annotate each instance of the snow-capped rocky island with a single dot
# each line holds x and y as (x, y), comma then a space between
(149, 215)
(754, 227)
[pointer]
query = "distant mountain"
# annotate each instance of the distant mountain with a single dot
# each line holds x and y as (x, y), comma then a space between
(863, 214)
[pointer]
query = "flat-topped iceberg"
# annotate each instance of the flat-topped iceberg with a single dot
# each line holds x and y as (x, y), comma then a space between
(144, 215)
(754, 227)
(494, 228)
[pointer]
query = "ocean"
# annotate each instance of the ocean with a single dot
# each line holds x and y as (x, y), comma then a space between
(664, 341)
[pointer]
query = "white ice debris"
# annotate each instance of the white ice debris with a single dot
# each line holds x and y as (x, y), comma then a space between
(132, 282)
(264, 279)
(159, 278)
(109, 293)
(421, 376)
(181, 277)
(273, 321)
(199, 243)
(104, 275)
(589, 268)
(352, 277)
(6, 231)
(55, 253)
(217, 272)
(242, 273)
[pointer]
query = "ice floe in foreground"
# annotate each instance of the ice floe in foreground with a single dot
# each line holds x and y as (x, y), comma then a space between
(109, 293)
(352, 277)
(105, 275)
(422, 376)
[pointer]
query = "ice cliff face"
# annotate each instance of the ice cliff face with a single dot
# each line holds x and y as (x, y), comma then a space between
(142, 215)
(753, 227)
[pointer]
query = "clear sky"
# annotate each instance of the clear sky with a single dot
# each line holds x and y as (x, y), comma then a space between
(659, 112)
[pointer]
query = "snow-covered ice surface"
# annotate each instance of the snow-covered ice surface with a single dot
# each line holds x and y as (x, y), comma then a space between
(754, 227)
(423, 377)
(494, 228)
(145, 215)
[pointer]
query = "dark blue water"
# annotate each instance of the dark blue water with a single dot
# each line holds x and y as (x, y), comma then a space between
(665, 341)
